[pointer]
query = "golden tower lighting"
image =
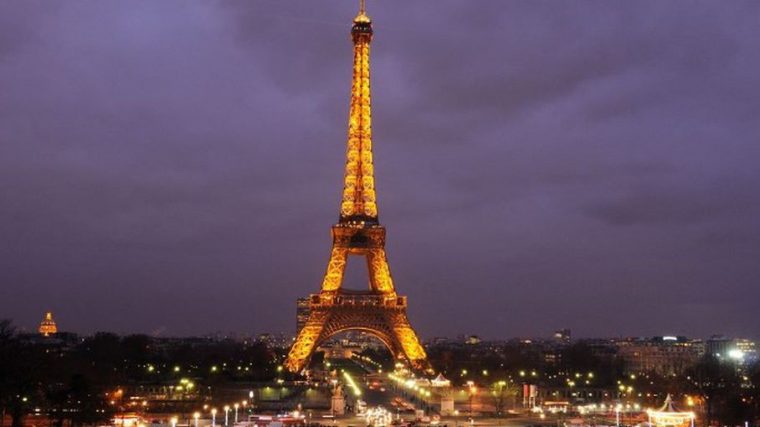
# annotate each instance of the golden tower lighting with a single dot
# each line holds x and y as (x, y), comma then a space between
(379, 310)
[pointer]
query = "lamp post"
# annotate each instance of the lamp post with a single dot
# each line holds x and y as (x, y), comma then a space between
(617, 415)
(473, 391)
(226, 415)
(213, 417)
(174, 421)
(195, 417)
(236, 412)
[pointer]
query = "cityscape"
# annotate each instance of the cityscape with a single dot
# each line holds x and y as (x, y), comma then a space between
(353, 379)
(330, 352)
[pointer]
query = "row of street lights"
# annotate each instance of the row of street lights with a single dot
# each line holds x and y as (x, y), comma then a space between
(227, 408)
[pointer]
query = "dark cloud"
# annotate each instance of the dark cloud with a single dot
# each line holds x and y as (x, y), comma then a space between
(176, 166)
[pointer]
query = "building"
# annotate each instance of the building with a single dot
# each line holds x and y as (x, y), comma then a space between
(302, 313)
(739, 350)
(666, 355)
(273, 340)
(563, 336)
(719, 346)
(747, 349)
(48, 326)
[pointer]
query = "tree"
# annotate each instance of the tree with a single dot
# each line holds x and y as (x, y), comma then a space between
(501, 392)
(754, 390)
(718, 385)
(18, 374)
(90, 406)
(77, 401)
(7, 349)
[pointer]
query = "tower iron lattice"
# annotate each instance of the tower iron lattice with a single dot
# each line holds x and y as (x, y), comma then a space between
(379, 311)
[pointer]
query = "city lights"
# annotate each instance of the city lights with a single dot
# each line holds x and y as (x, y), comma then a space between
(546, 114)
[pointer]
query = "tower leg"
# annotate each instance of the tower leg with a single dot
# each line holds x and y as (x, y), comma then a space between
(410, 343)
(379, 272)
(335, 269)
(308, 338)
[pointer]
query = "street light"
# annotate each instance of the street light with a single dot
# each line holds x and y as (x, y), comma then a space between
(236, 412)
(473, 391)
(196, 416)
(174, 421)
(226, 415)
(213, 417)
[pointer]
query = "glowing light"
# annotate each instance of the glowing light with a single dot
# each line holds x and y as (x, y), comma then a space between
(378, 417)
(352, 384)
(48, 326)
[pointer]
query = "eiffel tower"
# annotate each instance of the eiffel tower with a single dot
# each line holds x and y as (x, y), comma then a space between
(379, 310)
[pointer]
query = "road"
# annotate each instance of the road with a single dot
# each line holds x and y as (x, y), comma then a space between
(377, 390)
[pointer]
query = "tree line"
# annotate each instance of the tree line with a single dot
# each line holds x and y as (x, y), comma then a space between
(75, 383)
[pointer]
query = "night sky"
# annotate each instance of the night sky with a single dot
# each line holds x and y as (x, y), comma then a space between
(174, 167)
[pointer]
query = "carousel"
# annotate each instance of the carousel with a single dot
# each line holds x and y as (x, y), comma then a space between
(669, 416)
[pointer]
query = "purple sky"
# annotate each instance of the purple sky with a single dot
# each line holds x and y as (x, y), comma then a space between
(175, 166)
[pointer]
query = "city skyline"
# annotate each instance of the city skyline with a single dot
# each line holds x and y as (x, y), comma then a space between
(48, 327)
(172, 167)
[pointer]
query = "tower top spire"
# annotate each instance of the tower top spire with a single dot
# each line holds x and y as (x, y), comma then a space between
(358, 203)
(362, 17)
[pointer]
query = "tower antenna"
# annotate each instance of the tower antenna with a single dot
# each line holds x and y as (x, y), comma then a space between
(362, 8)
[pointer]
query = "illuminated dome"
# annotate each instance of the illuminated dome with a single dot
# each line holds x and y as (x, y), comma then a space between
(47, 326)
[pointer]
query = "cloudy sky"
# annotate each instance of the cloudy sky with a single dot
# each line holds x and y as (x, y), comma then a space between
(174, 167)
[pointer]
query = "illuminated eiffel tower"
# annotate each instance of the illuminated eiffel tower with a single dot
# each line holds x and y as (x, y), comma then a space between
(379, 310)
